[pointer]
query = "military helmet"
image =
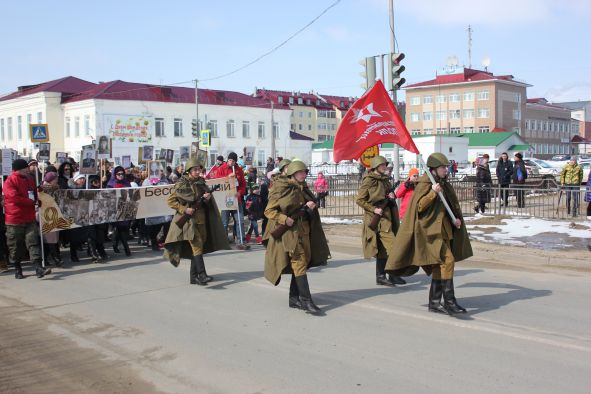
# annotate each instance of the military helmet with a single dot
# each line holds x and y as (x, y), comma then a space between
(437, 160)
(283, 163)
(296, 166)
(376, 161)
(192, 162)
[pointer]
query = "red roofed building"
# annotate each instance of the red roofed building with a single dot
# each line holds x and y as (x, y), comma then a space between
(314, 115)
(133, 115)
(464, 100)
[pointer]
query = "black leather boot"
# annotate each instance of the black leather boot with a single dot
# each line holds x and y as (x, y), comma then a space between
(197, 274)
(294, 294)
(74, 253)
(449, 299)
(55, 255)
(126, 247)
(40, 270)
(18, 271)
(305, 296)
(396, 280)
(381, 278)
(435, 293)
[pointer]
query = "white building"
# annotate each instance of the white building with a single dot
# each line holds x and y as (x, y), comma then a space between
(79, 112)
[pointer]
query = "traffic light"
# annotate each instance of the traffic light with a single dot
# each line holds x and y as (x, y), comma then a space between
(369, 72)
(395, 69)
(194, 128)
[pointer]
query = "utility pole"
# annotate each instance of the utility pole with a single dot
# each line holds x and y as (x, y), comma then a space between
(197, 112)
(272, 130)
(396, 151)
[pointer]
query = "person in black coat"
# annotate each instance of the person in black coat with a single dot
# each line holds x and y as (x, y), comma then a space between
(504, 174)
(483, 184)
(518, 177)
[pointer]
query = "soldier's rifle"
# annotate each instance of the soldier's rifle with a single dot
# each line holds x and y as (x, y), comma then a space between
(282, 228)
(196, 205)
(375, 220)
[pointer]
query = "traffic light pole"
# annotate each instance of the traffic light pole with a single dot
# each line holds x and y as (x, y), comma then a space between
(396, 151)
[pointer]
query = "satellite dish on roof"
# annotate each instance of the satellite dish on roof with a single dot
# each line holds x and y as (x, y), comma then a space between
(486, 62)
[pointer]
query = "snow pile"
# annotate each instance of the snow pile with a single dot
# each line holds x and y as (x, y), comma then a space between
(331, 220)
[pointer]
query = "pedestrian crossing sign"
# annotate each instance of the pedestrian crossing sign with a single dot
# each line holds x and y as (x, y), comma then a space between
(39, 132)
(205, 140)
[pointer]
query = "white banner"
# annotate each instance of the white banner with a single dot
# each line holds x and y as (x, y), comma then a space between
(125, 128)
(72, 208)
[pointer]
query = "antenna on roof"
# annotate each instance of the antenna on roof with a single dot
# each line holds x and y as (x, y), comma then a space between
(470, 46)
(486, 62)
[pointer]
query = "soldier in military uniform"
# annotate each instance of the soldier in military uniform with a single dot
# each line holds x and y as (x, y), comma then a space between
(203, 232)
(376, 197)
(303, 245)
(427, 237)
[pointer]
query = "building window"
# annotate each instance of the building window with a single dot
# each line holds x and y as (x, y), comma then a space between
(427, 115)
(441, 99)
(483, 129)
(2, 130)
(9, 128)
(308, 102)
(516, 130)
(483, 95)
(159, 125)
(441, 130)
(468, 114)
(291, 100)
(483, 113)
(468, 129)
(415, 100)
(454, 130)
(19, 127)
(455, 114)
(178, 127)
(39, 117)
(280, 99)
(427, 99)
(427, 131)
(276, 130)
(327, 114)
(415, 131)
(301, 114)
(77, 126)
(29, 121)
(414, 117)
(309, 115)
(309, 127)
(245, 129)
(454, 98)
(230, 129)
(67, 126)
(468, 96)
(87, 125)
(261, 131)
(300, 101)
(440, 115)
(261, 157)
(516, 114)
(212, 125)
(518, 97)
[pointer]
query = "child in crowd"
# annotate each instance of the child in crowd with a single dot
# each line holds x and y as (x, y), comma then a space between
(406, 189)
(254, 207)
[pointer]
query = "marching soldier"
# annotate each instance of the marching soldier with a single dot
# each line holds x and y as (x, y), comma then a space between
(294, 237)
(427, 237)
(202, 231)
(380, 221)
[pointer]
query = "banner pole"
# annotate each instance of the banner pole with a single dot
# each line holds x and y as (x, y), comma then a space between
(440, 194)
(40, 226)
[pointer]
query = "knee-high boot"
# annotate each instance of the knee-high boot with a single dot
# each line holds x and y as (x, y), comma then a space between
(435, 293)
(305, 296)
(449, 299)
(40, 270)
(74, 252)
(294, 294)
(197, 273)
(18, 270)
(381, 273)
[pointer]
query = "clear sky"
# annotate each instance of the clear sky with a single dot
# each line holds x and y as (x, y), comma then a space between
(544, 42)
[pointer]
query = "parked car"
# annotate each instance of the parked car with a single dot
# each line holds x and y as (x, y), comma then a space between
(532, 169)
(586, 169)
(544, 167)
(560, 158)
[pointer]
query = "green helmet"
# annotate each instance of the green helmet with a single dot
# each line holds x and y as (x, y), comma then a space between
(192, 162)
(376, 161)
(283, 163)
(437, 160)
(296, 166)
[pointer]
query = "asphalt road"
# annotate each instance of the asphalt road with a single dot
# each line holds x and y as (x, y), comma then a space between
(136, 325)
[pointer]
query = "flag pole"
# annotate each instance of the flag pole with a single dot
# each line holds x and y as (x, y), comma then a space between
(40, 225)
(440, 194)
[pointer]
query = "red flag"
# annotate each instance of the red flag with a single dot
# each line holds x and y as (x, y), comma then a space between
(370, 121)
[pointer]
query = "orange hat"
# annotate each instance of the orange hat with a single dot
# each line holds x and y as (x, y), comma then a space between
(413, 171)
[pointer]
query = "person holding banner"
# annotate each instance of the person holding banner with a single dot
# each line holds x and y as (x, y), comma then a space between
(294, 237)
(428, 238)
(22, 229)
(121, 228)
(381, 220)
(202, 231)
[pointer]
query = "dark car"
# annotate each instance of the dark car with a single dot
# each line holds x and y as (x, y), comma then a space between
(560, 158)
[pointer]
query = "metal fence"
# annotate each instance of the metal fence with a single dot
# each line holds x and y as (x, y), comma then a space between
(543, 198)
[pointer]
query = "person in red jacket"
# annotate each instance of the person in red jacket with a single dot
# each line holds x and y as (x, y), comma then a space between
(22, 230)
(406, 189)
(231, 169)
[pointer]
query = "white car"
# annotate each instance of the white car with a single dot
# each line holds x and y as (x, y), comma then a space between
(544, 167)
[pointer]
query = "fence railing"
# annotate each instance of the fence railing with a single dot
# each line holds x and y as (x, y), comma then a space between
(542, 198)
